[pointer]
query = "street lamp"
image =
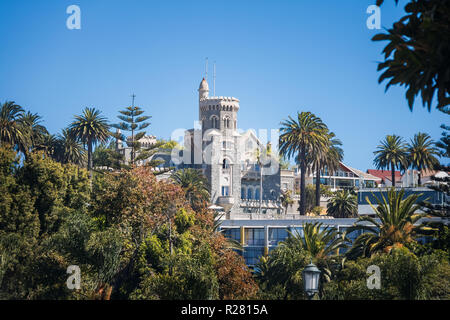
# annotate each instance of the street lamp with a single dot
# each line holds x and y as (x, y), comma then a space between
(311, 276)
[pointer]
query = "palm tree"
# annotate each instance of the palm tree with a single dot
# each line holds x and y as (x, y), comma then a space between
(329, 157)
(391, 153)
(12, 131)
(343, 205)
(395, 228)
(322, 243)
(300, 138)
(69, 150)
(422, 152)
(286, 199)
(35, 132)
(194, 184)
(49, 145)
(319, 241)
(90, 128)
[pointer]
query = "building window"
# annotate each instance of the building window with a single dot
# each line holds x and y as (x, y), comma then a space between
(242, 193)
(225, 191)
(232, 233)
(252, 255)
(249, 193)
(214, 122)
(225, 164)
(254, 236)
(257, 194)
(277, 235)
(226, 123)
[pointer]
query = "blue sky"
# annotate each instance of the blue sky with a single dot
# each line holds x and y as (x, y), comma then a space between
(277, 57)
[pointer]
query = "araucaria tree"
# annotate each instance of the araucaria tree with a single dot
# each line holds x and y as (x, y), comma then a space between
(300, 138)
(133, 121)
(391, 153)
(90, 128)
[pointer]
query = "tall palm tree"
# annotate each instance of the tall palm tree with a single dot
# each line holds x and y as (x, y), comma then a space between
(69, 150)
(299, 138)
(393, 225)
(330, 157)
(343, 204)
(392, 152)
(49, 145)
(35, 131)
(12, 131)
(286, 199)
(422, 153)
(194, 184)
(90, 128)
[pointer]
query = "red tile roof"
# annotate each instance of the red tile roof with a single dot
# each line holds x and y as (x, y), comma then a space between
(385, 174)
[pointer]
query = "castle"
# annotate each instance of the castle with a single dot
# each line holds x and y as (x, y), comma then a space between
(244, 178)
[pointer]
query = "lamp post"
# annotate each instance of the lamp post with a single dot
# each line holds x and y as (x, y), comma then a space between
(311, 276)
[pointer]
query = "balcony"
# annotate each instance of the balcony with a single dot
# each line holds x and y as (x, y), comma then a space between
(226, 202)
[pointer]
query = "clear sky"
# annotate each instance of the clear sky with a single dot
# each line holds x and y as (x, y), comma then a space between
(277, 57)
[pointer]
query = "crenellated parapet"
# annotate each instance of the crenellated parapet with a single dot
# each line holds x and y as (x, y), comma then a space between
(219, 104)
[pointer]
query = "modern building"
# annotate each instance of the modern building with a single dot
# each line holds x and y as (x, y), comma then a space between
(259, 237)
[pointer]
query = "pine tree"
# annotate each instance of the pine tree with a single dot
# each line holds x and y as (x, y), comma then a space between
(134, 121)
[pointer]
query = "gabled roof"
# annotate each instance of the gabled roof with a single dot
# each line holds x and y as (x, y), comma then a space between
(385, 174)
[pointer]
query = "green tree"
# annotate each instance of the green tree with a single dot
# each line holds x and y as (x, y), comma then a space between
(133, 121)
(300, 138)
(394, 225)
(69, 149)
(35, 132)
(392, 152)
(194, 184)
(329, 157)
(416, 55)
(90, 128)
(286, 199)
(343, 204)
(422, 153)
(12, 131)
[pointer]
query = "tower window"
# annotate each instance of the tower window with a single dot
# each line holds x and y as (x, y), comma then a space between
(214, 122)
(225, 191)
(225, 164)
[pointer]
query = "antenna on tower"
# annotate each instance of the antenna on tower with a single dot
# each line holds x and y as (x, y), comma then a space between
(206, 69)
(132, 99)
(214, 80)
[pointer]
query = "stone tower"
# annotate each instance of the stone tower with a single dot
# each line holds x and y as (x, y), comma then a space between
(218, 118)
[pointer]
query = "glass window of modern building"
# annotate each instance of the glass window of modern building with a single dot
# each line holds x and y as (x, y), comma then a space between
(254, 236)
(232, 233)
(252, 255)
(277, 235)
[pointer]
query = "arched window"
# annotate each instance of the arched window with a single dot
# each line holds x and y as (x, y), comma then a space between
(226, 123)
(249, 193)
(214, 122)
(243, 193)
(225, 164)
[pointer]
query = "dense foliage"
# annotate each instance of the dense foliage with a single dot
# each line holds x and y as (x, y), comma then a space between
(132, 236)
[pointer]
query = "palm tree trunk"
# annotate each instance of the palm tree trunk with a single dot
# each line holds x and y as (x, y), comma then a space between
(89, 155)
(260, 189)
(419, 180)
(393, 174)
(317, 187)
(302, 185)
